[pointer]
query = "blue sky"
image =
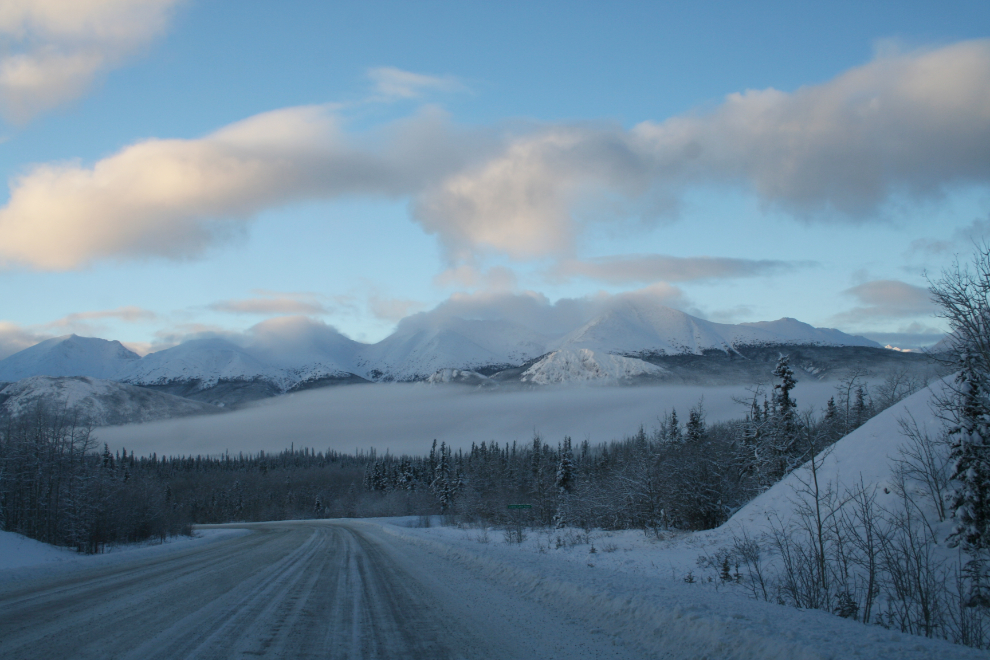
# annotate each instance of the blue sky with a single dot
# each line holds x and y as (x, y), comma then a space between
(177, 167)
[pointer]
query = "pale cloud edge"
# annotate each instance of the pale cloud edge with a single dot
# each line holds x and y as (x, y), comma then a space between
(60, 47)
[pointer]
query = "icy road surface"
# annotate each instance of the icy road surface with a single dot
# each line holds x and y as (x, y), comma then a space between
(312, 589)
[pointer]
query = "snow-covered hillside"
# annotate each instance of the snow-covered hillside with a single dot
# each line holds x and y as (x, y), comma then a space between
(206, 361)
(632, 328)
(70, 355)
(461, 377)
(422, 346)
(864, 457)
(571, 365)
(97, 402)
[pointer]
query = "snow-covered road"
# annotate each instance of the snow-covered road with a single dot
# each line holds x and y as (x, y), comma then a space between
(292, 589)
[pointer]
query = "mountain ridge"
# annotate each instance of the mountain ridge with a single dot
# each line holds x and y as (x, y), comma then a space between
(421, 347)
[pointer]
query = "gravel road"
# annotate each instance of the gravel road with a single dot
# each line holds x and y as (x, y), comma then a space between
(306, 589)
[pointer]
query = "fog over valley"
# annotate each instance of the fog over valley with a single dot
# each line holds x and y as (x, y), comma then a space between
(406, 418)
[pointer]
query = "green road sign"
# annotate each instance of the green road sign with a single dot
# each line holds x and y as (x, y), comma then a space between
(520, 506)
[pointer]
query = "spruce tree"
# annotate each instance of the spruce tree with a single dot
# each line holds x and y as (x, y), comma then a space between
(970, 456)
(564, 482)
(695, 428)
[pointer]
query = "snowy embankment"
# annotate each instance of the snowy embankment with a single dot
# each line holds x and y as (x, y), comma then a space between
(634, 587)
(865, 457)
(668, 594)
(21, 557)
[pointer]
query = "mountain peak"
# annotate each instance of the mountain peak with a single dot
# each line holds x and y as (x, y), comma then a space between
(68, 355)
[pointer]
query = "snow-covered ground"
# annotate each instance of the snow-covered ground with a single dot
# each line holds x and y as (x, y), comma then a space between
(670, 587)
(629, 585)
(663, 593)
(21, 557)
(630, 589)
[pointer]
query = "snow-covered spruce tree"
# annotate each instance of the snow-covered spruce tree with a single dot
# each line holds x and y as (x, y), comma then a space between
(673, 427)
(963, 297)
(970, 456)
(774, 440)
(443, 485)
(695, 429)
(564, 483)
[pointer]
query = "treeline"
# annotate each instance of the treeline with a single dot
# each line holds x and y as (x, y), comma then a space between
(690, 475)
(57, 486)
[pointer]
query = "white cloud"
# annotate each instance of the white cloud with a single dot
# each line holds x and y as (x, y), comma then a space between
(621, 269)
(14, 338)
(963, 238)
(496, 278)
(269, 306)
(887, 299)
(519, 203)
(535, 311)
(129, 314)
(56, 48)
(391, 83)
(392, 309)
(175, 198)
(904, 124)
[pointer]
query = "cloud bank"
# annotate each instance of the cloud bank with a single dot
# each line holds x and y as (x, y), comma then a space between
(904, 125)
(622, 269)
(269, 306)
(349, 418)
(57, 48)
(887, 299)
(176, 198)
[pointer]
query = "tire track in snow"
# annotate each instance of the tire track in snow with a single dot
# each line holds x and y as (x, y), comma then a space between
(302, 590)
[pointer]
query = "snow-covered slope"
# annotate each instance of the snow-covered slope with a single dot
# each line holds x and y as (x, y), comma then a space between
(864, 456)
(70, 355)
(792, 331)
(419, 348)
(460, 377)
(571, 365)
(97, 402)
(632, 328)
(303, 349)
(206, 361)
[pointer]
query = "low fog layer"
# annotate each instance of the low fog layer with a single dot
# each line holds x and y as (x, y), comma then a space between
(406, 418)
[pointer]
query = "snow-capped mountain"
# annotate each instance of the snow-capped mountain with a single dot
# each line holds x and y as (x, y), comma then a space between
(419, 348)
(792, 331)
(627, 339)
(461, 377)
(222, 373)
(97, 402)
(70, 355)
(205, 361)
(570, 365)
(631, 328)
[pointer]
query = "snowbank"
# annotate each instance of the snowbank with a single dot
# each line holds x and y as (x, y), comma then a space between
(21, 557)
(630, 586)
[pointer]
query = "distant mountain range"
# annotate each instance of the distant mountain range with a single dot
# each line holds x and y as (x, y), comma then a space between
(94, 401)
(629, 342)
